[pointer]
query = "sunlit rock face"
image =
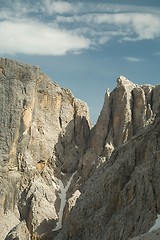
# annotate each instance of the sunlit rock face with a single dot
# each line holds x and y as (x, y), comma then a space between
(126, 111)
(60, 180)
(120, 169)
(121, 199)
(44, 132)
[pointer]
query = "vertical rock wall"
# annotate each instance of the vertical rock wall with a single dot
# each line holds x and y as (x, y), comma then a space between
(44, 132)
(121, 198)
(49, 157)
(126, 111)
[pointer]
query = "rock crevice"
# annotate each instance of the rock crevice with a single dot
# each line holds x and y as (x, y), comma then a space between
(44, 130)
(60, 179)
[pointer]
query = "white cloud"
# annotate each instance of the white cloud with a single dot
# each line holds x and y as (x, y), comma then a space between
(146, 26)
(58, 6)
(134, 60)
(133, 26)
(56, 27)
(103, 40)
(37, 38)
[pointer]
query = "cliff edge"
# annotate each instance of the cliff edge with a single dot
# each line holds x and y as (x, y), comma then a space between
(44, 133)
(62, 179)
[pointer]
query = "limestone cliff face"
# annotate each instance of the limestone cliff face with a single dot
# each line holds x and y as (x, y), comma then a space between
(118, 173)
(59, 179)
(43, 134)
(122, 197)
(126, 111)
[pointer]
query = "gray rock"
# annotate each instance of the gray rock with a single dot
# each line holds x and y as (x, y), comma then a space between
(126, 111)
(103, 183)
(121, 199)
(155, 235)
(44, 133)
(20, 232)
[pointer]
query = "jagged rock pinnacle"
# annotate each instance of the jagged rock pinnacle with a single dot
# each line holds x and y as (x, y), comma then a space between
(123, 81)
(99, 183)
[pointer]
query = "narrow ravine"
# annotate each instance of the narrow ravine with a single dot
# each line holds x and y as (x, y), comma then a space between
(62, 194)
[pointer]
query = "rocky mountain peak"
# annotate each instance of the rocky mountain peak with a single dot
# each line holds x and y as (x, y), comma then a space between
(123, 81)
(126, 111)
(44, 133)
(62, 179)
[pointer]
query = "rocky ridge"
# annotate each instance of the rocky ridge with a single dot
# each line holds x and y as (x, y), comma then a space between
(121, 198)
(102, 211)
(100, 183)
(44, 132)
(126, 111)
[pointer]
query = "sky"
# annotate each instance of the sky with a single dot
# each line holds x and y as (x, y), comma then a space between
(84, 45)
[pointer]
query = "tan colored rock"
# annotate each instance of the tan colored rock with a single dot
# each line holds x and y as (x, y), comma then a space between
(126, 111)
(20, 232)
(71, 203)
(9, 214)
(44, 130)
(119, 201)
(8, 221)
(48, 156)
(38, 208)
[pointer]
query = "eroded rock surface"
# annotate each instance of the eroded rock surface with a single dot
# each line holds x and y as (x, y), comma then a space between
(126, 111)
(56, 173)
(121, 198)
(155, 235)
(20, 232)
(44, 132)
(119, 170)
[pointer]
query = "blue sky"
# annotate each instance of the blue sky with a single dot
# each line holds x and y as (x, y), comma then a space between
(85, 45)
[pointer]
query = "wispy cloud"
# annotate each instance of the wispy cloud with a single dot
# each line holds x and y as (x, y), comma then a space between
(57, 27)
(134, 60)
(37, 38)
(156, 53)
(25, 29)
(136, 26)
(59, 7)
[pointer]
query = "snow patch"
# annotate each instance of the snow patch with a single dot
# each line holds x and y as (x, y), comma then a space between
(62, 194)
(156, 225)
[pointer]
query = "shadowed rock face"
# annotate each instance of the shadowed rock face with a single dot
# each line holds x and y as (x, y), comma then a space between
(154, 235)
(121, 199)
(126, 111)
(109, 175)
(44, 132)
(119, 172)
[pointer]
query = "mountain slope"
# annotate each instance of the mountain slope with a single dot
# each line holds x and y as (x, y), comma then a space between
(122, 198)
(60, 179)
(126, 110)
(44, 132)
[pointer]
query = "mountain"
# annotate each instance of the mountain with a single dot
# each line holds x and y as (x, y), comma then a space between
(120, 170)
(61, 178)
(44, 132)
